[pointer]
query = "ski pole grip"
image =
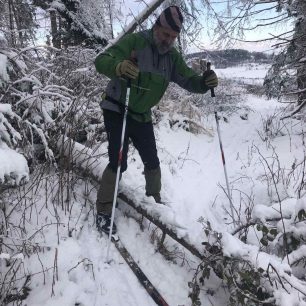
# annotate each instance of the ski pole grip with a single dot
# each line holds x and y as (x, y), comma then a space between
(212, 91)
(133, 59)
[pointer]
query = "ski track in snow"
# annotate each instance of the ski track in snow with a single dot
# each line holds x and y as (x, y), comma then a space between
(93, 281)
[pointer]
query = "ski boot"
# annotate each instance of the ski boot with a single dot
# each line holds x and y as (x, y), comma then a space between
(103, 223)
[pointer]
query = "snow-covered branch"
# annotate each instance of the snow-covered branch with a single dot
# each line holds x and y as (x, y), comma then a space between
(130, 28)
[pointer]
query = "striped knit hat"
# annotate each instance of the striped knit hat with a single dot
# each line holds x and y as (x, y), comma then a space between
(171, 18)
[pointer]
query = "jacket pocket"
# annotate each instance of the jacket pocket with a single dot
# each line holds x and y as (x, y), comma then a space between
(151, 89)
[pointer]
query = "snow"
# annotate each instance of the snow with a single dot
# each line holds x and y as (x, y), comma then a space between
(8, 256)
(16, 59)
(5, 256)
(300, 205)
(245, 74)
(3, 41)
(264, 212)
(13, 166)
(192, 187)
(235, 247)
(285, 299)
(6, 109)
(3, 69)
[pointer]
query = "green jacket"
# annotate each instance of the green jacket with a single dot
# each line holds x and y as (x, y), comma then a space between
(156, 71)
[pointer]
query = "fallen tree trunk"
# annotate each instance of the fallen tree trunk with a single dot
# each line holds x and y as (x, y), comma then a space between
(192, 249)
(136, 22)
(91, 165)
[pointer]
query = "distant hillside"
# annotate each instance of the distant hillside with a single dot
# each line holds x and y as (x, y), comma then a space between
(230, 57)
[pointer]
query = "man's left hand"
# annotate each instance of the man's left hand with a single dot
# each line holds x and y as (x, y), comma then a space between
(210, 79)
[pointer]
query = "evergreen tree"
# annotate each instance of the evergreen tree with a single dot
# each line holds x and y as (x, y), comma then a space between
(17, 22)
(75, 22)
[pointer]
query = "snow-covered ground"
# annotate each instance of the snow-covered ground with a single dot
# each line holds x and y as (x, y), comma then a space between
(192, 181)
(245, 74)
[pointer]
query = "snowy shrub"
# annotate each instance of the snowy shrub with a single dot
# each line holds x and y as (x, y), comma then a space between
(272, 127)
(279, 79)
(29, 249)
(51, 95)
(188, 111)
(244, 281)
(268, 267)
(47, 96)
(253, 277)
(13, 166)
(4, 77)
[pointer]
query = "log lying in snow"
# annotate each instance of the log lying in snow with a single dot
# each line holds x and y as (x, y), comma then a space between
(140, 209)
(86, 160)
(90, 163)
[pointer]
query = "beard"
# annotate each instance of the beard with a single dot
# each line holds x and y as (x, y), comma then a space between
(162, 46)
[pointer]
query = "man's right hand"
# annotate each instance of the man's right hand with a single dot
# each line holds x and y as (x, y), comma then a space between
(128, 69)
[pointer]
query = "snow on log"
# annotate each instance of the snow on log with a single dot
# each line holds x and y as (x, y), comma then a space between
(89, 163)
(83, 157)
(172, 232)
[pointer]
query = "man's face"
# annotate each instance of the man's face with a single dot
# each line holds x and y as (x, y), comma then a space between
(164, 38)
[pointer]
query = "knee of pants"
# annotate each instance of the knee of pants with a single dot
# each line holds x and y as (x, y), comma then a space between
(113, 153)
(114, 166)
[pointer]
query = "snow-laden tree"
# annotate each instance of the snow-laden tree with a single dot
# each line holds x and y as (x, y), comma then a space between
(231, 21)
(75, 22)
(298, 44)
(13, 166)
(286, 79)
(17, 22)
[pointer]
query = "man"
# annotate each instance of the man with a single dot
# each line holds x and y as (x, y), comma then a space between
(149, 59)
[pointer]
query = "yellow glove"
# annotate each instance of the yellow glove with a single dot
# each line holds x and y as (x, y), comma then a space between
(210, 79)
(128, 69)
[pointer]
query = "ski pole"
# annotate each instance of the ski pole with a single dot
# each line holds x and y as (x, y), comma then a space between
(127, 98)
(212, 93)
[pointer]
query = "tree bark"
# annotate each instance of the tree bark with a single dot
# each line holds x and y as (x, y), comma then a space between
(56, 40)
(192, 249)
(16, 15)
(111, 19)
(300, 41)
(11, 18)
